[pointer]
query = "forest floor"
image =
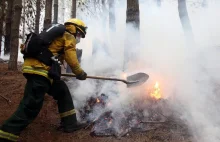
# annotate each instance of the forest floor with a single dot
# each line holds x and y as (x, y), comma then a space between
(44, 127)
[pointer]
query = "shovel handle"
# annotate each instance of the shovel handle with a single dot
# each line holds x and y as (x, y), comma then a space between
(96, 77)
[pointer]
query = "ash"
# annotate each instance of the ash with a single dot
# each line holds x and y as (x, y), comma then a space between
(146, 115)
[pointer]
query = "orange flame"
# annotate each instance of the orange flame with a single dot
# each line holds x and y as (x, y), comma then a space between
(124, 75)
(97, 100)
(156, 93)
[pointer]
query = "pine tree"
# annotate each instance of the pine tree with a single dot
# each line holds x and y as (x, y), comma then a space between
(17, 8)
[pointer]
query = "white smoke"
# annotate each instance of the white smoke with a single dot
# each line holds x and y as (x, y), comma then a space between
(188, 75)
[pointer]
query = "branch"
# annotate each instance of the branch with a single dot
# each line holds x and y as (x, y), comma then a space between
(153, 122)
(9, 101)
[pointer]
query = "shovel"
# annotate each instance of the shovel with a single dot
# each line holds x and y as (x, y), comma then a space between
(131, 81)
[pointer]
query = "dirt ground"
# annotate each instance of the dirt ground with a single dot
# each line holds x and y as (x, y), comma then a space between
(43, 129)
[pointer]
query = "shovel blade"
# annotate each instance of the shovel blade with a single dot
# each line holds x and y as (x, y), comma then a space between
(137, 79)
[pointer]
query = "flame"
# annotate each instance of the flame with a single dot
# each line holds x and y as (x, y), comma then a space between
(97, 100)
(124, 75)
(156, 93)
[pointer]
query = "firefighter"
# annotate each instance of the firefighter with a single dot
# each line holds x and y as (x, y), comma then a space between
(39, 83)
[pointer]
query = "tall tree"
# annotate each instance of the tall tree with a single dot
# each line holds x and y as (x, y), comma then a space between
(185, 21)
(158, 3)
(63, 10)
(73, 15)
(204, 3)
(132, 40)
(23, 18)
(37, 16)
(29, 14)
(28, 17)
(111, 4)
(8, 27)
(2, 20)
(104, 16)
(48, 13)
(73, 11)
(132, 13)
(17, 8)
(55, 11)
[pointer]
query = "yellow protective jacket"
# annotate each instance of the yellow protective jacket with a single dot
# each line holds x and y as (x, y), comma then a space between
(68, 43)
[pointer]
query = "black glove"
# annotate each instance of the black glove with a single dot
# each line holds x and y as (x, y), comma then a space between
(55, 71)
(81, 76)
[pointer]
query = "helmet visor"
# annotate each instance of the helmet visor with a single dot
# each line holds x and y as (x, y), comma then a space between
(82, 29)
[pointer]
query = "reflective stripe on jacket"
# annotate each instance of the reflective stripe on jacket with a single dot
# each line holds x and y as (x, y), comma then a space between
(35, 70)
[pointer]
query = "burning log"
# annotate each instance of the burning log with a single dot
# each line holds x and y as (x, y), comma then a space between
(106, 126)
(119, 124)
(153, 122)
(92, 102)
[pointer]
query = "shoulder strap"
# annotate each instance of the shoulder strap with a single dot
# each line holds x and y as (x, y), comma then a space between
(70, 33)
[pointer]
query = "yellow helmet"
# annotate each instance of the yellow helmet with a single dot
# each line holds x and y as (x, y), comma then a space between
(79, 24)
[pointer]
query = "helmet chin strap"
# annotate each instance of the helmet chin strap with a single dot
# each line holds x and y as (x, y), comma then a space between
(75, 35)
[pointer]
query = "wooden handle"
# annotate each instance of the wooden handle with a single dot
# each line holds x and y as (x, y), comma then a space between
(95, 77)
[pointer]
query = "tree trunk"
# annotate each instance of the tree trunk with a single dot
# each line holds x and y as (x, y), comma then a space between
(17, 7)
(8, 27)
(112, 25)
(55, 9)
(185, 21)
(132, 41)
(29, 15)
(37, 16)
(73, 15)
(23, 17)
(2, 20)
(204, 3)
(158, 3)
(63, 11)
(73, 12)
(132, 13)
(48, 14)
(104, 16)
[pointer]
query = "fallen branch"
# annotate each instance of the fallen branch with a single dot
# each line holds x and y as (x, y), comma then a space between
(153, 122)
(92, 122)
(9, 101)
(88, 126)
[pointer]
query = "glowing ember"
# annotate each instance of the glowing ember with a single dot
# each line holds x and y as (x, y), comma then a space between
(156, 93)
(97, 100)
(124, 75)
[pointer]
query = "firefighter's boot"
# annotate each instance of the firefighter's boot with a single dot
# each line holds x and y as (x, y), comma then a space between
(61, 93)
(70, 124)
